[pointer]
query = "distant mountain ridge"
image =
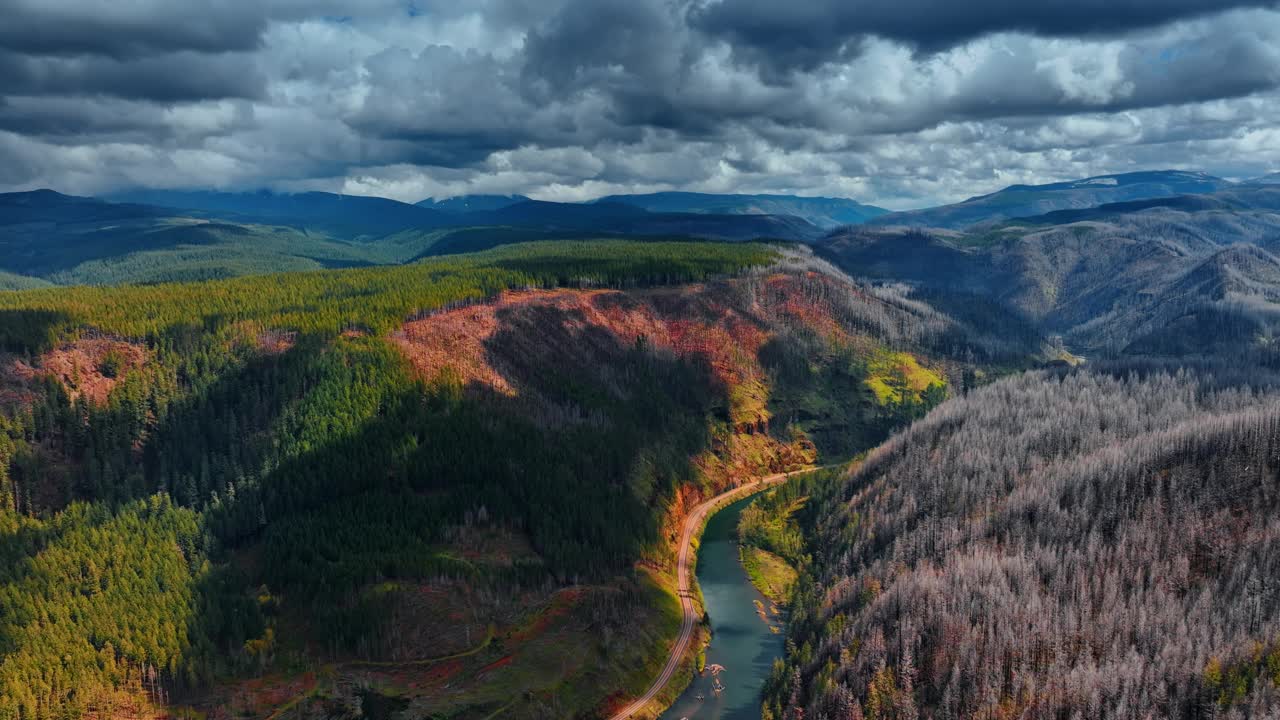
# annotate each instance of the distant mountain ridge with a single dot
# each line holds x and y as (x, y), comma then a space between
(158, 236)
(346, 216)
(67, 239)
(472, 203)
(1171, 276)
(355, 217)
(824, 212)
(1040, 259)
(1018, 201)
(623, 218)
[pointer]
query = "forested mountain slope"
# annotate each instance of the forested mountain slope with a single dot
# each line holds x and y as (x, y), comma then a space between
(823, 212)
(1090, 544)
(186, 236)
(72, 240)
(472, 203)
(13, 281)
(627, 219)
(334, 479)
(349, 217)
(1017, 201)
(1105, 278)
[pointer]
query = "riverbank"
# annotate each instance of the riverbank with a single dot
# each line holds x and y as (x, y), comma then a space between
(679, 669)
(773, 576)
(743, 642)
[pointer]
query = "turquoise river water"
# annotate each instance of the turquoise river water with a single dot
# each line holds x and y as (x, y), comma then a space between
(741, 641)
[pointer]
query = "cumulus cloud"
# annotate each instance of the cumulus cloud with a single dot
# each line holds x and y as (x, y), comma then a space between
(128, 29)
(901, 103)
(816, 31)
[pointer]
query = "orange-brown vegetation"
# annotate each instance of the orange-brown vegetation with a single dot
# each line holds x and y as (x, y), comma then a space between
(503, 661)
(498, 349)
(559, 606)
(260, 697)
(15, 383)
(87, 368)
(723, 324)
(276, 342)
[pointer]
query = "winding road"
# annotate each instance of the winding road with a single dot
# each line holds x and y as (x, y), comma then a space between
(692, 525)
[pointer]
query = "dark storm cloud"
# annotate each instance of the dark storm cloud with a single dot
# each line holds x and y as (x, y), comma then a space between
(807, 33)
(444, 107)
(898, 99)
(174, 77)
(1017, 82)
(77, 119)
(648, 60)
(594, 44)
(132, 28)
(652, 69)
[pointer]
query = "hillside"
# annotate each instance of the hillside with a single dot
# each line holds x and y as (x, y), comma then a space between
(354, 217)
(1102, 278)
(72, 240)
(1017, 201)
(1090, 544)
(625, 219)
(1225, 303)
(69, 240)
(340, 477)
(472, 203)
(825, 213)
(13, 281)
(350, 217)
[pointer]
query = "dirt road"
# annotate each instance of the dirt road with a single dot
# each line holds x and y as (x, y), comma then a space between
(692, 525)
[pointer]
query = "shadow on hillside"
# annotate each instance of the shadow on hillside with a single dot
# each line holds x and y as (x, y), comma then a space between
(826, 400)
(32, 331)
(305, 490)
(612, 424)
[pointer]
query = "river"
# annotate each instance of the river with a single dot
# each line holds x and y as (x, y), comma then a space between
(740, 641)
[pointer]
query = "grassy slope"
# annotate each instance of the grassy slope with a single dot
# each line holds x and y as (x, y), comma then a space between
(771, 575)
(891, 373)
(771, 541)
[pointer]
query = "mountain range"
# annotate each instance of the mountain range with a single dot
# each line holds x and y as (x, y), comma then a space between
(472, 203)
(436, 477)
(154, 235)
(1030, 200)
(1123, 276)
(823, 212)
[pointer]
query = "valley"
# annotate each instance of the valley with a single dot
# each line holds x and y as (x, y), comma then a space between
(639, 360)
(309, 584)
(468, 482)
(693, 529)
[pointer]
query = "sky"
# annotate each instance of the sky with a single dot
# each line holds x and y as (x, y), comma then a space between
(901, 103)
